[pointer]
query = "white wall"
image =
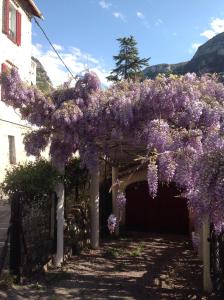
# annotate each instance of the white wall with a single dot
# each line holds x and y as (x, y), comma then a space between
(7, 129)
(20, 56)
(10, 122)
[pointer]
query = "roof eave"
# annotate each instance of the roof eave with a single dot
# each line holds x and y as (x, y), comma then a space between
(35, 10)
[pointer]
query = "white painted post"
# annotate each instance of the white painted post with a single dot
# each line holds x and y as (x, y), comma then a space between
(200, 248)
(207, 282)
(116, 210)
(94, 206)
(59, 189)
(53, 210)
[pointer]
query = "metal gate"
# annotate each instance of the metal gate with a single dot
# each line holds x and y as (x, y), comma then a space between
(32, 233)
(217, 260)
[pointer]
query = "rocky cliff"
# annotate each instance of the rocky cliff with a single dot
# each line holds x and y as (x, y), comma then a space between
(209, 58)
(43, 81)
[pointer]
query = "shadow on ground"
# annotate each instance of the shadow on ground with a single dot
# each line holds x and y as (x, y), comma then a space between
(140, 267)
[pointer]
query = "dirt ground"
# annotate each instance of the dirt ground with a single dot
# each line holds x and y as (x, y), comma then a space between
(140, 266)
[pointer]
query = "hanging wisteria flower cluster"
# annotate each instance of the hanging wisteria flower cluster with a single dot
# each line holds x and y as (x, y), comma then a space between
(178, 121)
(111, 223)
(121, 203)
(121, 200)
(152, 177)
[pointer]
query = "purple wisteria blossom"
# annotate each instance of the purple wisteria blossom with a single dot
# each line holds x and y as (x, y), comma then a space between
(152, 177)
(111, 223)
(121, 200)
(177, 119)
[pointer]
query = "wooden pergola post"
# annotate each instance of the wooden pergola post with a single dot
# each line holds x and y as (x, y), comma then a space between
(207, 282)
(94, 206)
(116, 210)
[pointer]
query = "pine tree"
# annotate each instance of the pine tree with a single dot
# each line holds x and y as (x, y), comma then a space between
(128, 63)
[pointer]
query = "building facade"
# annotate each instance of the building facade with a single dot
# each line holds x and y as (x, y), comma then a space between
(15, 51)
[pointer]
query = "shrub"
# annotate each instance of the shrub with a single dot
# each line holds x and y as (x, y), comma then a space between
(32, 178)
(6, 281)
(76, 180)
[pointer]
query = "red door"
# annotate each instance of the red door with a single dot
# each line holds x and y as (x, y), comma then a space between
(166, 213)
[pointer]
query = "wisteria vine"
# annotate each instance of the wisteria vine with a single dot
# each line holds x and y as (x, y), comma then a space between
(178, 120)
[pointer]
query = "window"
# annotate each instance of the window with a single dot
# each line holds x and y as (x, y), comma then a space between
(12, 22)
(12, 150)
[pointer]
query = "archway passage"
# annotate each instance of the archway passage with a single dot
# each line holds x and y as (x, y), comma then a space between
(167, 213)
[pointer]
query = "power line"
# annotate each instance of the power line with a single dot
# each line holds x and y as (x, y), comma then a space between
(55, 50)
(21, 125)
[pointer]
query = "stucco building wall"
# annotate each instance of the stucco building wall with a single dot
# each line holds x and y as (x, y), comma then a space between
(20, 57)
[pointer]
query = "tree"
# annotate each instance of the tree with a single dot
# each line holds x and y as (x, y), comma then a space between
(128, 63)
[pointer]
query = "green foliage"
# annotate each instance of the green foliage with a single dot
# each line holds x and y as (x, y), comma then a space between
(128, 63)
(137, 251)
(6, 281)
(32, 178)
(37, 286)
(43, 81)
(39, 177)
(76, 205)
(76, 179)
(112, 253)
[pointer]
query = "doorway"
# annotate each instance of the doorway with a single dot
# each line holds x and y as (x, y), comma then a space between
(167, 213)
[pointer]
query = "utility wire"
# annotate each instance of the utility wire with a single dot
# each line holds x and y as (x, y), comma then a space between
(21, 125)
(55, 50)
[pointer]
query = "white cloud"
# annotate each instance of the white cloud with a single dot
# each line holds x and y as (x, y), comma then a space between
(216, 26)
(58, 47)
(194, 47)
(120, 16)
(104, 4)
(208, 34)
(143, 19)
(140, 15)
(158, 22)
(76, 60)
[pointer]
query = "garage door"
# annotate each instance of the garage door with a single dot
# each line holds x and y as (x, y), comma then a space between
(167, 213)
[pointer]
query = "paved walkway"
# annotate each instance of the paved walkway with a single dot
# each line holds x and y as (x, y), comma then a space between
(139, 267)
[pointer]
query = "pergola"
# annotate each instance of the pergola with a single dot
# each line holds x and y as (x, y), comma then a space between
(179, 114)
(124, 158)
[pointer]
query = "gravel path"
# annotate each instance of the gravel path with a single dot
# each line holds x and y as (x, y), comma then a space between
(140, 267)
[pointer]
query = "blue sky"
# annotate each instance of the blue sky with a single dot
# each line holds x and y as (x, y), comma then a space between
(85, 31)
